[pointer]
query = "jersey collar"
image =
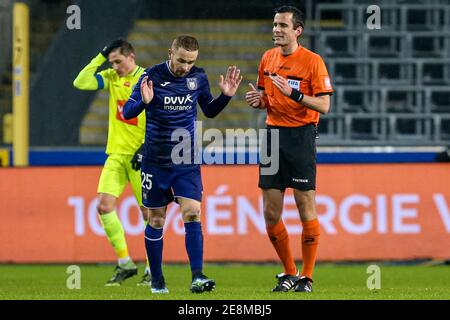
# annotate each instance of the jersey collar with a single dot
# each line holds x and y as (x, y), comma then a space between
(133, 73)
(136, 70)
(168, 68)
(293, 54)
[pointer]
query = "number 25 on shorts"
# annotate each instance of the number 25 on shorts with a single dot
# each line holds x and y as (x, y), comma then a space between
(146, 180)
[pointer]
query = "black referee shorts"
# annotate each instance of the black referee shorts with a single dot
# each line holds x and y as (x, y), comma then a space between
(297, 159)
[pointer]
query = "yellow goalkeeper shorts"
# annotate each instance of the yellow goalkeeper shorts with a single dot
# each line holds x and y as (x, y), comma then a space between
(116, 174)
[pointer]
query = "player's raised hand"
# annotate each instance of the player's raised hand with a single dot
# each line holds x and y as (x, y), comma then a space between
(253, 97)
(230, 84)
(146, 90)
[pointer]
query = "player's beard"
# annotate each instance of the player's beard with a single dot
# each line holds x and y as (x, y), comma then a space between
(175, 71)
(181, 73)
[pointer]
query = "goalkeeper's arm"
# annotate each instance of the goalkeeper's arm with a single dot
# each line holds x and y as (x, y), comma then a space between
(88, 79)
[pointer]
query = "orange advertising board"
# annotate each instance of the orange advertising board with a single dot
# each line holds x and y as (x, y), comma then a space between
(367, 212)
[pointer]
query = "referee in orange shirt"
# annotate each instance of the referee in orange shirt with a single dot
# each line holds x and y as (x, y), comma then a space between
(294, 87)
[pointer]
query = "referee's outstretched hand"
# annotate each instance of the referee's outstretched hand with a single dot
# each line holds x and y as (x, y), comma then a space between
(253, 97)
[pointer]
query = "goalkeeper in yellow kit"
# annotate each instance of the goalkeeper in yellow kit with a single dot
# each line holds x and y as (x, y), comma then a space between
(125, 138)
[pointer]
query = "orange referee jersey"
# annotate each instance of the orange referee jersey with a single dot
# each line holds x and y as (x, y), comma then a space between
(305, 71)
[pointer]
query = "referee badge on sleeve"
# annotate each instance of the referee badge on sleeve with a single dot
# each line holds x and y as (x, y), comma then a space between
(327, 83)
(191, 83)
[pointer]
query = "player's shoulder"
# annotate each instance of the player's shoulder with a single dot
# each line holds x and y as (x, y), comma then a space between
(156, 71)
(308, 54)
(199, 74)
(139, 71)
(136, 74)
(270, 53)
(149, 70)
(198, 69)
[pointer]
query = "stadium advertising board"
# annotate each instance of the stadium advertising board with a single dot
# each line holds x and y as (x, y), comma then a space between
(367, 212)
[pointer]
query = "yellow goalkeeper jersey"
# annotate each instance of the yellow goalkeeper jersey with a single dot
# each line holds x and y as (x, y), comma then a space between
(124, 136)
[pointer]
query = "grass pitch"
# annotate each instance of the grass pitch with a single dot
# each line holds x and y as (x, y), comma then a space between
(234, 282)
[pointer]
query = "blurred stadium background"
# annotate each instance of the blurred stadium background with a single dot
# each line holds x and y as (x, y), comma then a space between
(382, 195)
(392, 84)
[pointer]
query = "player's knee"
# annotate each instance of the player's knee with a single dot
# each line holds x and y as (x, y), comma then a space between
(104, 208)
(271, 214)
(156, 222)
(304, 199)
(271, 220)
(191, 214)
(145, 213)
(305, 202)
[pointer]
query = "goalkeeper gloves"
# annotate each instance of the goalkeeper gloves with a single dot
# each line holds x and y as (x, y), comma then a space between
(136, 161)
(111, 46)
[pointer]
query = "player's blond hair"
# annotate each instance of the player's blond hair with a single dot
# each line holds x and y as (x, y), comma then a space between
(186, 42)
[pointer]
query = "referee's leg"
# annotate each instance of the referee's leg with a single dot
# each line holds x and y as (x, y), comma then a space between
(276, 230)
(306, 205)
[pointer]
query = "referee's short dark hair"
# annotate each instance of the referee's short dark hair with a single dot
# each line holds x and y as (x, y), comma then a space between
(298, 18)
